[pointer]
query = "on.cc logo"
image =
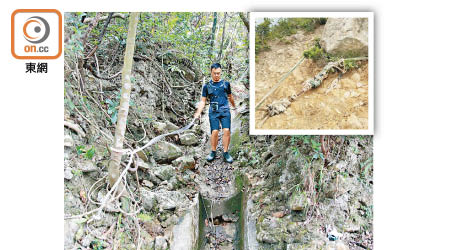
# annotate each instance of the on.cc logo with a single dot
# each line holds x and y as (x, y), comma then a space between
(36, 34)
(37, 24)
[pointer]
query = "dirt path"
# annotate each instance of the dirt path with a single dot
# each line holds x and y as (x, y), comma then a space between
(338, 103)
(216, 183)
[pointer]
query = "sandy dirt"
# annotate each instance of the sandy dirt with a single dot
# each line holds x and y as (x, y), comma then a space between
(335, 104)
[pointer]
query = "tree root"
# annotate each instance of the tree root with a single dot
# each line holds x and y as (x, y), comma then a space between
(75, 127)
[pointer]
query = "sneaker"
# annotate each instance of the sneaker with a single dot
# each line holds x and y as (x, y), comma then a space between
(211, 156)
(227, 157)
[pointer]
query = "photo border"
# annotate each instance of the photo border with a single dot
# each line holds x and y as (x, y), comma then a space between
(369, 131)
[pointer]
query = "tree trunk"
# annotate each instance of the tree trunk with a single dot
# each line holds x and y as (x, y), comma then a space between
(114, 164)
(213, 33)
(245, 20)
(223, 37)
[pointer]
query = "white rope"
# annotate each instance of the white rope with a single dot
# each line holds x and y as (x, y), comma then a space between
(111, 195)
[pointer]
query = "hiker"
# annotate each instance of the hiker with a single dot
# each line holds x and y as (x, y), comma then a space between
(219, 93)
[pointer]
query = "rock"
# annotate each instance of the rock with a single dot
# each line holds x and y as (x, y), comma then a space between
(164, 127)
(148, 243)
(141, 154)
(184, 162)
(188, 139)
(336, 187)
(171, 127)
(338, 245)
(356, 77)
(68, 175)
(86, 241)
(346, 37)
(279, 214)
(159, 127)
(86, 166)
(68, 141)
(160, 243)
(148, 199)
(142, 164)
(172, 220)
(164, 172)
(173, 183)
(165, 152)
(169, 200)
(298, 202)
(70, 229)
(353, 122)
(148, 183)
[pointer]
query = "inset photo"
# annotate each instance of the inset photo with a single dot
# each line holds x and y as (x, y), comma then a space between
(311, 73)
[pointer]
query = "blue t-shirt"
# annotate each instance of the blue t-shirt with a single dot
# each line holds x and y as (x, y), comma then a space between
(217, 92)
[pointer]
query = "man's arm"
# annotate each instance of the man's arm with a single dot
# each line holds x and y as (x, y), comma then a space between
(231, 99)
(201, 105)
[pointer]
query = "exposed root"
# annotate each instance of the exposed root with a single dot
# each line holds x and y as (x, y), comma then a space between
(75, 128)
(280, 106)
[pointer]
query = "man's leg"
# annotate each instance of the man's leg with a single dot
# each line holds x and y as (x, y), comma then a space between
(226, 125)
(214, 139)
(214, 124)
(226, 139)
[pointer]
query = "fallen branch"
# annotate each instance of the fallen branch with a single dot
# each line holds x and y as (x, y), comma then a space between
(75, 127)
(110, 196)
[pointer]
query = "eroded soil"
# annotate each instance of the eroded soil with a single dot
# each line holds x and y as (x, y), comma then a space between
(340, 102)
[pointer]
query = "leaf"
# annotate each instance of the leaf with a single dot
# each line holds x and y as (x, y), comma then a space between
(90, 153)
(114, 118)
(80, 149)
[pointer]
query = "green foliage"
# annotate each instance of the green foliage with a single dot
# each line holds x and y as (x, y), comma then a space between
(146, 217)
(262, 36)
(307, 140)
(285, 27)
(316, 52)
(112, 109)
(350, 64)
(98, 245)
(313, 53)
(365, 167)
(87, 153)
(113, 105)
(77, 172)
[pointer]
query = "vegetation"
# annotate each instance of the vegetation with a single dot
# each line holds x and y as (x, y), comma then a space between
(266, 32)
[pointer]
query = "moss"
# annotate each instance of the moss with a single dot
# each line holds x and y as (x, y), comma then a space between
(146, 217)
(236, 142)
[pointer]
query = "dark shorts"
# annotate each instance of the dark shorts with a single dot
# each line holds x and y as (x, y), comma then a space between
(224, 119)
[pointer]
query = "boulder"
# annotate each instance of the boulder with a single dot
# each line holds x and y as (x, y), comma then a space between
(346, 37)
(86, 166)
(164, 127)
(70, 229)
(188, 139)
(164, 172)
(337, 245)
(184, 162)
(148, 199)
(68, 141)
(170, 200)
(165, 152)
(68, 173)
(160, 243)
(298, 202)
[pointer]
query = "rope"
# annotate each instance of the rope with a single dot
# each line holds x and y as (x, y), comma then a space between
(155, 140)
(279, 82)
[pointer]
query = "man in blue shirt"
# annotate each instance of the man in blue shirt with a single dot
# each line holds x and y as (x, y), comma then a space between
(219, 94)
